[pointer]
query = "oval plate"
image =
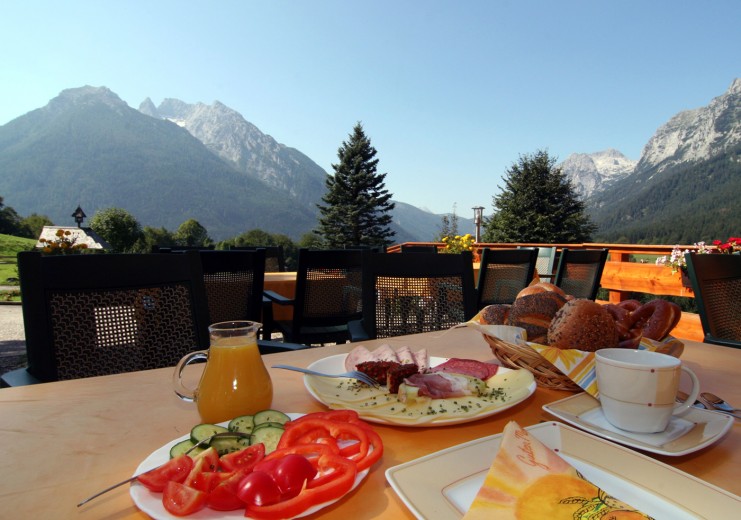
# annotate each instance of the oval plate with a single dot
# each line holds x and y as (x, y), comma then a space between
(336, 364)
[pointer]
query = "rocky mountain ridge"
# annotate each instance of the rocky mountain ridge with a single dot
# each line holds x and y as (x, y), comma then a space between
(229, 135)
(594, 172)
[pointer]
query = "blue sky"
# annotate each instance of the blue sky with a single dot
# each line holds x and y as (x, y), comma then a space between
(451, 93)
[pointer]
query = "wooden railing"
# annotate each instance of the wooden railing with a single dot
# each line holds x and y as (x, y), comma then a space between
(629, 268)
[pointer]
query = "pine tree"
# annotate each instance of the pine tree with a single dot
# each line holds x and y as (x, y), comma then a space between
(358, 206)
(538, 204)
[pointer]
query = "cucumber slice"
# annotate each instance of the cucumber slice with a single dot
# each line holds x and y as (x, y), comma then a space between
(204, 431)
(271, 416)
(181, 447)
(268, 435)
(268, 425)
(243, 423)
(224, 445)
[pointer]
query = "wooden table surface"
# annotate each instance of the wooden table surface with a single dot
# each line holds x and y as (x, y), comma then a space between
(65, 441)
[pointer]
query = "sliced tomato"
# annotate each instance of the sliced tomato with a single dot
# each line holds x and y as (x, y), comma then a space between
(206, 481)
(224, 496)
(243, 459)
(181, 500)
(337, 478)
(176, 469)
(211, 457)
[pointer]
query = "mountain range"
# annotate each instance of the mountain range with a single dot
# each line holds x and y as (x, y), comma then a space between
(168, 163)
(684, 188)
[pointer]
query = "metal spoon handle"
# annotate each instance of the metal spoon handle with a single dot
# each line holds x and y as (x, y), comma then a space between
(132, 479)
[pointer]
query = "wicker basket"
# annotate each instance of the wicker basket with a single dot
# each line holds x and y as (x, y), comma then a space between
(516, 356)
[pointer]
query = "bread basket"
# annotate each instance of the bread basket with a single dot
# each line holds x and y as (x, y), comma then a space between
(522, 356)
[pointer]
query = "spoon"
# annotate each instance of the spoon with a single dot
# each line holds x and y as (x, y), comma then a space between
(131, 479)
(717, 402)
(683, 396)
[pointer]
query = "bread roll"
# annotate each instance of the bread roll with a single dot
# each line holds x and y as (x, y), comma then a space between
(541, 287)
(583, 325)
(494, 314)
(534, 313)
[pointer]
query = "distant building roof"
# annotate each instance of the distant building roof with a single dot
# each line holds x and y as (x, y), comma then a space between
(80, 236)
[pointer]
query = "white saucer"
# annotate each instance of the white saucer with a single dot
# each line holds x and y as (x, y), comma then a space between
(692, 431)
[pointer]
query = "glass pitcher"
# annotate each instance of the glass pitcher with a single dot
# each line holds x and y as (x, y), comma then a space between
(235, 381)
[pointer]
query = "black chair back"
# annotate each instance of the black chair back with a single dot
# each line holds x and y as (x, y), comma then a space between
(234, 283)
(92, 315)
(580, 270)
(328, 295)
(275, 260)
(716, 281)
(503, 274)
(407, 294)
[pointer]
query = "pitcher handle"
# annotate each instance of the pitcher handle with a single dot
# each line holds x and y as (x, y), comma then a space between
(183, 392)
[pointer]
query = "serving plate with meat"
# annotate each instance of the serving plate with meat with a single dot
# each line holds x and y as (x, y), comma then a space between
(430, 397)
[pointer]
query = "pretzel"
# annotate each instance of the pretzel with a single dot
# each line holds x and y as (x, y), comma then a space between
(656, 319)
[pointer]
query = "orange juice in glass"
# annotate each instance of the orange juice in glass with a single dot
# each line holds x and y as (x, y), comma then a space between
(235, 381)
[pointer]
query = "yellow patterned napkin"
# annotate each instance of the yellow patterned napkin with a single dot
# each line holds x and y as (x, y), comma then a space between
(577, 365)
(529, 481)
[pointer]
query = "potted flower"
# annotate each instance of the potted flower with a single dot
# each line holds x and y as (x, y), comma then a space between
(458, 244)
(729, 247)
(677, 263)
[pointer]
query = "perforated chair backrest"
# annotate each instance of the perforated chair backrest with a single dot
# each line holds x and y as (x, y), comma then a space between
(234, 283)
(503, 274)
(408, 248)
(407, 294)
(716, 281)
(91, 315)
(545, 261)
(275, 260)
(328, 288)
(580, 270)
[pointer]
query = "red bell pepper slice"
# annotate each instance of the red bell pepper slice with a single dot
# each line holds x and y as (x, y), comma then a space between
(337, 476)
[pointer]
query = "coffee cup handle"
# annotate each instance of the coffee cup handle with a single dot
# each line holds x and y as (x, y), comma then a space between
(680, 408)
(185, 393)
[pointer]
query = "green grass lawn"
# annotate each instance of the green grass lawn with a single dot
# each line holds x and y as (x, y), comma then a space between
(10, 246)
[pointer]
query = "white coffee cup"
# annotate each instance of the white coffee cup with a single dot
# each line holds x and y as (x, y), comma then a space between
(638, 388)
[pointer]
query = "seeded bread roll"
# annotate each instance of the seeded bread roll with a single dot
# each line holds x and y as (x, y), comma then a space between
(583, 325)
(534, 313)
(494, 314)
(541, 287)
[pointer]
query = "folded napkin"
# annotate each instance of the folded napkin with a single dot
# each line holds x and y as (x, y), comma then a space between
(577, 365)
(529, 481)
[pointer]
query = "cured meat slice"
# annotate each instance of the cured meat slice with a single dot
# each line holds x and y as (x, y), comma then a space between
(358, 355)
(468, 367)
(440, 385)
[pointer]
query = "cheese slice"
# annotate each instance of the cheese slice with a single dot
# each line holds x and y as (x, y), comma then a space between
(528, 480)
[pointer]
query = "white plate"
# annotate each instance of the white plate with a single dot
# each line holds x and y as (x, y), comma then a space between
(151, 502)
(336, 365)
(442, 485)
(688, 433)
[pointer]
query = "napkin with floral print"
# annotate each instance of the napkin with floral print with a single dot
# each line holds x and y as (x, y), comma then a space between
(577, 365)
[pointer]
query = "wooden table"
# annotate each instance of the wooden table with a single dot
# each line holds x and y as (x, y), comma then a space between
(64, 441)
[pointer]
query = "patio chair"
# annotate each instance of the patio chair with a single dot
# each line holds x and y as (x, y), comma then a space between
(580, 270)
(234, 284)
(91, 315)
(328, 296)
(503, 274)
(545, 263)
(716, 281)
(275, 261)
(407, 294)
(408, 248)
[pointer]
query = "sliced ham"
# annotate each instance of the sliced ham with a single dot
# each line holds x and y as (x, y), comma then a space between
(385, 353)
(439, 385)
(468, 367)
(358, 355)
(405, 356)
(422, 360)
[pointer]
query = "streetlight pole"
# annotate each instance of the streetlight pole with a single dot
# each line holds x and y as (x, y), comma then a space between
(478, 212)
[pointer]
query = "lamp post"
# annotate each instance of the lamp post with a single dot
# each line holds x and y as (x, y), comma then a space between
(79, 216)
(478, 212)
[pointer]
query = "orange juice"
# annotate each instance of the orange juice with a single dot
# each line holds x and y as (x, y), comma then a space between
(235, 381)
